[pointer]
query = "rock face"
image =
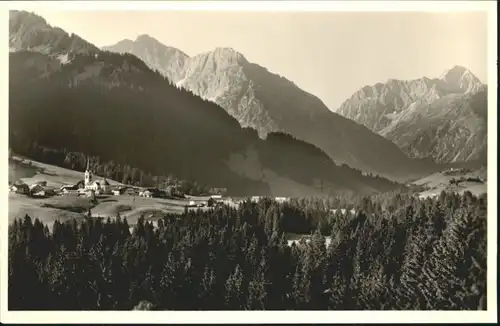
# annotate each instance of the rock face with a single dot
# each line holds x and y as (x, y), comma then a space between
(114, 106)
(267, 102)
(31, 32)
(450, 129)
(442, 118)
(166, 60)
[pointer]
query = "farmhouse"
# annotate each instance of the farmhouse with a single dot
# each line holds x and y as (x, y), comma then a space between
(20, 188)
(35, 188)
(41, 183)
(201, 200)
(118, 191)
(256, 199)
(130, 191)
(152, 192)
(67, 188)
(41, 191)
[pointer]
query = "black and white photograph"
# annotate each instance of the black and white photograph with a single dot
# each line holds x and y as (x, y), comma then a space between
(208, 159)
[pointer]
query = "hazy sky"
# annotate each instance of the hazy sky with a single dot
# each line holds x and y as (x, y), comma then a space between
(330, 55)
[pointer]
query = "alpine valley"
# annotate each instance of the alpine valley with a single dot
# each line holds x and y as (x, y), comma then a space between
(67, 94)
(267, 102)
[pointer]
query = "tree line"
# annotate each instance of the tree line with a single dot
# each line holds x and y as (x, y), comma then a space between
(395, 252)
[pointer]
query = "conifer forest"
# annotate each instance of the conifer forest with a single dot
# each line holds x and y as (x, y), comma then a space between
(392, 252)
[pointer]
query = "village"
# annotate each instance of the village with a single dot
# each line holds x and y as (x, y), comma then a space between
(94, 189)
(53, 194)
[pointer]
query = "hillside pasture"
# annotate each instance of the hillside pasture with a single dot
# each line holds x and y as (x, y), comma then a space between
(441, 181)
(66, 207)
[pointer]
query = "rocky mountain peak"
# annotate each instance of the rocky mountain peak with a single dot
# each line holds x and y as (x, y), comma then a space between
(146, 39)
(411, 113)
(24, 17)
(461, 78)
(228, 54)
(30, 32)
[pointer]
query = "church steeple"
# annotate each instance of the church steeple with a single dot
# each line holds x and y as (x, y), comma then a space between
(88, 173)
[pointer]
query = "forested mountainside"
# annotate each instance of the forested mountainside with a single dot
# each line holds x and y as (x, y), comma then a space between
(441, 118)
(267, 102)
(115, 107)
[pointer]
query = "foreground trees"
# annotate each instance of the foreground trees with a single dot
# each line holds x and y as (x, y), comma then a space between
(397, 252)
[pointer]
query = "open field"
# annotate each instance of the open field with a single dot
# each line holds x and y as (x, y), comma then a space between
(439, 181)
(66, 207)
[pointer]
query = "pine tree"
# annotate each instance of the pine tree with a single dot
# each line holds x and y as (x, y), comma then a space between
(446, 269)
(233, 297)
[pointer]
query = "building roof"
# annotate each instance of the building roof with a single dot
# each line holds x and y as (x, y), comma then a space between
(20, 183)
(36, 186)
(105, 182)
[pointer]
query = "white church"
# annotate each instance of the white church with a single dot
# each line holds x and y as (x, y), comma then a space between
(101, 186)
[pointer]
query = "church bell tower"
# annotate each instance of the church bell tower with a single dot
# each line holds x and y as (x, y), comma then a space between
(88, 173)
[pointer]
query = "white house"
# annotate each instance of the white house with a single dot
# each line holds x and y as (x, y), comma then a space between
(36, 189)
(255, 199)
(20, 188)
(67, 188)
(146, 193)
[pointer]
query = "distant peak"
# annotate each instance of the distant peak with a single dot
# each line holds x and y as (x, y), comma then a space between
(26, 15)
(455, 71)
(145, 37)
(460, 77)
(225, 49)
(458, 68)
(228, 52)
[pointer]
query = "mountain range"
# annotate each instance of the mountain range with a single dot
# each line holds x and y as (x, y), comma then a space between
(267, 102)
(66, 93)
(442, 118)
(439, 120)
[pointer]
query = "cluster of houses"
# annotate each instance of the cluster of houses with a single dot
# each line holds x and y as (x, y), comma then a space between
(37, 189)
